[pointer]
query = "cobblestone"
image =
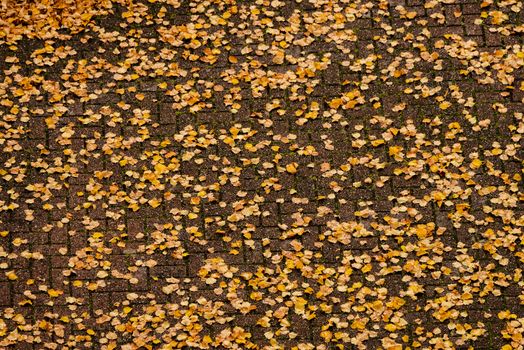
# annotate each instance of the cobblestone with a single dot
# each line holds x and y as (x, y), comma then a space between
(203, 176)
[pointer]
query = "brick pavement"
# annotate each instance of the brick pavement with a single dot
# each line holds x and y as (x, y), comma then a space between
(231, 174)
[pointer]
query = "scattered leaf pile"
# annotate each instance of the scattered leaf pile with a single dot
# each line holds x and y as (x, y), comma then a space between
(304, 174)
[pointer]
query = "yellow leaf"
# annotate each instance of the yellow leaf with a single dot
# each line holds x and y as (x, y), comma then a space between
(47, 206)
(439, 196)
(390, 327)
(160, 168)
(396, 303)
(207, 339)
(444, 105)
(357, 324)
(366, 268)
(78, 283)
(335, 103)
(377, 143)
(86, 16)
(229, 141)
(291, 168)
(11, 275)
(506, 314)
(134, 206)
(54, 293)
(394, 150)
(476, 163)
(300, 303)
(264, 322)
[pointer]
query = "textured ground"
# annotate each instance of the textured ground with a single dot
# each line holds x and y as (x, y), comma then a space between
(266, 175)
